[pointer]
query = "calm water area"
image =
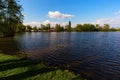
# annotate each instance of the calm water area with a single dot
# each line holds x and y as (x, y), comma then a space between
(94, 55)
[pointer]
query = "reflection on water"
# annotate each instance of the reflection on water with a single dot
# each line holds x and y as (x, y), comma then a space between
(9, 45)
(95, 55)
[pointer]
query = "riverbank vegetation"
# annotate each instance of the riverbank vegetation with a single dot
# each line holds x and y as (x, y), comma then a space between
(10, 17)
(20, 68)
(78, 28)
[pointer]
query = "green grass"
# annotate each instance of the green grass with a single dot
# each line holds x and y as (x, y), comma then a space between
(19, 68)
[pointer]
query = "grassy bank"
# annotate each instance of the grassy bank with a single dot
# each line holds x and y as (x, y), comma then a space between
(19, 68)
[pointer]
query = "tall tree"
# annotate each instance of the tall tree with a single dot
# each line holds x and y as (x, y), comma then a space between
(20, 28)
(28, 28)
(42, 27)
(57, 28)
(12, 16)
(68, 27)
(48, 26)
(2, 17)
(35, 28)
(79, 27)
(106, 27)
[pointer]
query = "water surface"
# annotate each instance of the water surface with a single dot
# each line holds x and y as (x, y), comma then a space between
(95, 55)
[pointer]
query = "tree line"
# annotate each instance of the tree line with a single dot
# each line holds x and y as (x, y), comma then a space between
(78, 28)
(47, 27)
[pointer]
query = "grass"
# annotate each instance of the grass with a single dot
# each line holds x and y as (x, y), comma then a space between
(20, 68)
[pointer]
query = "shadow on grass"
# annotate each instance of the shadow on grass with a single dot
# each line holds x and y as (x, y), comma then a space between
(9, 61)
(28, 74)
(15, 64)
(78, 78)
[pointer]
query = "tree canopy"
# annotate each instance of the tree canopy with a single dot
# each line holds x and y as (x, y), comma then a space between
(10, 16)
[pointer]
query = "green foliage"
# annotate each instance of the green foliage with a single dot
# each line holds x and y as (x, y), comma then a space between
(19, 28)
(10, 16)
(48, 26)
(28, 28)
(79, 27)
(106, 27)
(85, 27)
(35, 28)
(68, 27)
(112, 29)
(118, 29)
(42, 27)
(57, 28)
(15, 68)
(62, 28)
(45, 27)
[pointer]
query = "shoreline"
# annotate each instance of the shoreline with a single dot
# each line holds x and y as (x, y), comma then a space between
(16, 66)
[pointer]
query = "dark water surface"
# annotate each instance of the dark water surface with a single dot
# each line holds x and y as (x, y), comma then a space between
(95, 55)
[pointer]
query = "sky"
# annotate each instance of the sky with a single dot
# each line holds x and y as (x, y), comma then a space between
(101, 12)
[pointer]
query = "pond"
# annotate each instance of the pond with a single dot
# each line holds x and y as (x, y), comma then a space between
(94, 55)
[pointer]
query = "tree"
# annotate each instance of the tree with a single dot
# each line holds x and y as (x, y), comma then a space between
(42, 27)
(57, 28)
(35, 29)
(89, 27)
(97, 26)
(112, 29)
(62, 28)
(28, 28)
(48, 26)
(106, 27)
(78, 27)
(19, 28)
(2, 17)
(11, 16)
(68, 27)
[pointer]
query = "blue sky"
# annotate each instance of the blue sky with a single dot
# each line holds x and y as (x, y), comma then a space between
(77, 11)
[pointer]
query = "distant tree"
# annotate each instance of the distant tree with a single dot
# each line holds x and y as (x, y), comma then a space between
(61, 28)
(112, 29)
(57, 28)
(118, 29)
(106, 27)
(79, 27)
(48, 26)
(97, 27)
(42, 27)
(35, 28)
(39, 28)
(28, 28)
(68, 27)
(89, 27)
(100, 28)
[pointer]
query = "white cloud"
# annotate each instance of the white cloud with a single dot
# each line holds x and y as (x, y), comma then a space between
(32, 23)
(59, 15)
(114, 21)
(45, 22)
(117, 13)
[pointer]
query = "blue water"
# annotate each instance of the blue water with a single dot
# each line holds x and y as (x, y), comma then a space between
(94, 55)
